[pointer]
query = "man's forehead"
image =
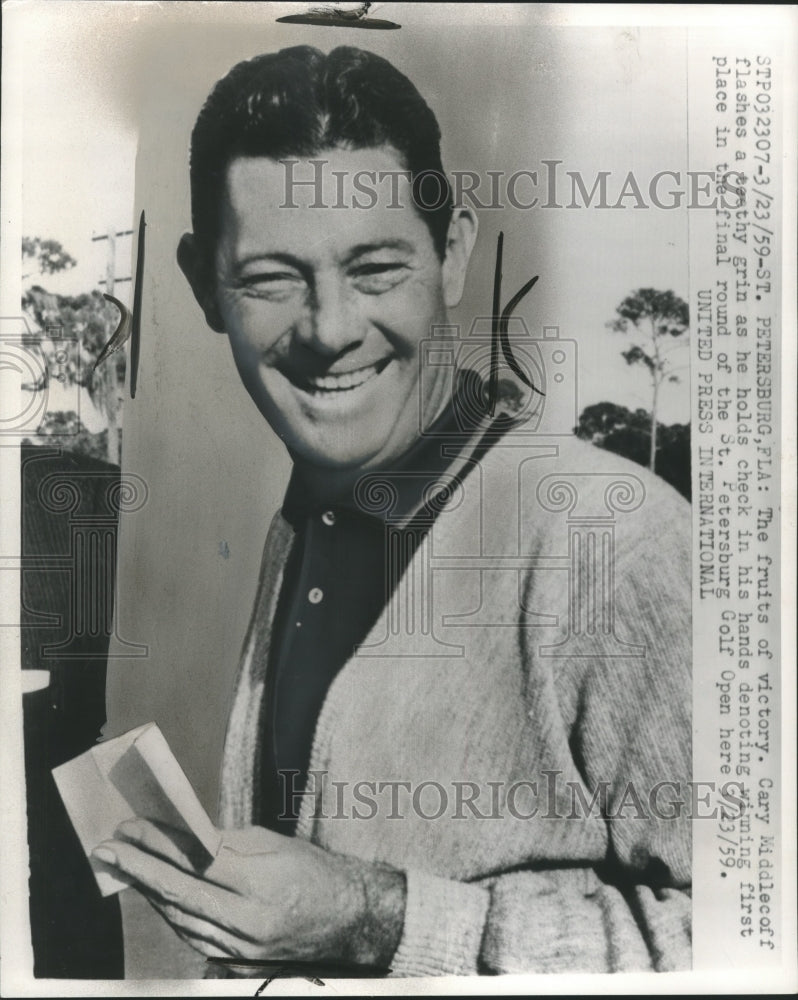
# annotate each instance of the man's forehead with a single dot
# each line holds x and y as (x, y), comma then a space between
(373, 179)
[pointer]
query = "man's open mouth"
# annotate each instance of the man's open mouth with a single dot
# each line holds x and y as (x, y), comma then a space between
(320, 385)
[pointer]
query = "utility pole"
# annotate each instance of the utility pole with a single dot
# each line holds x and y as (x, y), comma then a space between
(110, 389)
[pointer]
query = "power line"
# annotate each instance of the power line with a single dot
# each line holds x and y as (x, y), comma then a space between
(106, 236)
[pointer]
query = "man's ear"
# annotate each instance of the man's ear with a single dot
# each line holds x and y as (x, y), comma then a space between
(194, 264)
(459, 243)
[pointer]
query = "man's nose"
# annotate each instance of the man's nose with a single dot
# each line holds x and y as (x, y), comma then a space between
(331, 322)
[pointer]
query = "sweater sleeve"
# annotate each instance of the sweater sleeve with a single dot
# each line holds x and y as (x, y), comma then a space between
(524, 922)
(628, 725)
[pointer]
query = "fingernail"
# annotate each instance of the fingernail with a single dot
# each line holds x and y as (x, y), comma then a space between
(104, 854)
(130, 828)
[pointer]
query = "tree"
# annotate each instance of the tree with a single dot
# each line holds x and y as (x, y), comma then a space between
(510, 395)
(674, 457)
(57, 425)
(657, 319)
(48, 255)
(628, 433)
(76, 326)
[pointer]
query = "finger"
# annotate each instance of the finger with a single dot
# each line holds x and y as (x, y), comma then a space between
(205, 948)
(163, 881)
(243, 938)
(207, 938)
(179, 848)
(164, 841)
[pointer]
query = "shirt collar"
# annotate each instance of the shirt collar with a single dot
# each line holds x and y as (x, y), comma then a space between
(396, 495)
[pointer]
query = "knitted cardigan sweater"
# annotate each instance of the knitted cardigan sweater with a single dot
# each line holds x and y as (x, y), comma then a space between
(535, 655)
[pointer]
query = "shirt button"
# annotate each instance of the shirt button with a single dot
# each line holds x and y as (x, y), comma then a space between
(328, 517)
(315, 595)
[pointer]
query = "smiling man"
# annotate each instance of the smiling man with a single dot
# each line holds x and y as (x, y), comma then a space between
(326, 315)
(476, 788)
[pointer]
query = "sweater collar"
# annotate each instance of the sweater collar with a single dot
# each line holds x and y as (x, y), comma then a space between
(398, 494)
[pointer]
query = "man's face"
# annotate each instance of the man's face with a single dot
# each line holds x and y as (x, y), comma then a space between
(326, 308)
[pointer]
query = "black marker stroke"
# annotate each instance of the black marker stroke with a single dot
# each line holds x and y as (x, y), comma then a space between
(135, 342)
(500, 337)
(121, 334)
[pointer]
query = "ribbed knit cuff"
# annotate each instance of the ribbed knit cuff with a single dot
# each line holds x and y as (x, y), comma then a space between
(443, 927)
(560, 922)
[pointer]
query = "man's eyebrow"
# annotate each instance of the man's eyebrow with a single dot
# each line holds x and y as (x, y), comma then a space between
(364, 248)
(277, 258)
(360, 250)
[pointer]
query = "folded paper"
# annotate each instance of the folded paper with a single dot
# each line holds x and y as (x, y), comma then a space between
(133, 775)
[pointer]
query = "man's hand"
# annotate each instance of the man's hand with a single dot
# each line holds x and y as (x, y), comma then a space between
(265, 896)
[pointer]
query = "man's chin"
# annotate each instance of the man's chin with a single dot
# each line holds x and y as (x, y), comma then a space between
(334, 460)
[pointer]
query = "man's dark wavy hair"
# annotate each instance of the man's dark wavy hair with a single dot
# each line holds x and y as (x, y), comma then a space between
(298, 102)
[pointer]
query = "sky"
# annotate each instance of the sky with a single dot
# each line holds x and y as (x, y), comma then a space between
(79, 146)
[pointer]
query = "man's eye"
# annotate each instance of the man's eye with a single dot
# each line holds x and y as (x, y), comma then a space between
(376, 278)
(274, 286)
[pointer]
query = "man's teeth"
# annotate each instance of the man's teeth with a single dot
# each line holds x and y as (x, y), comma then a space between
(348, 380)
